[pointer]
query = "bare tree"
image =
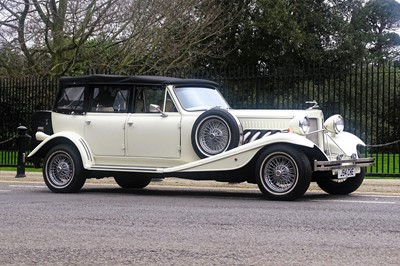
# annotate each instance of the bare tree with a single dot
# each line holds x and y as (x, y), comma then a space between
(71, 35)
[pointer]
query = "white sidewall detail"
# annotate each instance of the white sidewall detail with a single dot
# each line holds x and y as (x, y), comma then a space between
(263, 170)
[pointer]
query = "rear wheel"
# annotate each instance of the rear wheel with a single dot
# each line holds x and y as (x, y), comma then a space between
(62, 170)
(126, 181)
(283, 173)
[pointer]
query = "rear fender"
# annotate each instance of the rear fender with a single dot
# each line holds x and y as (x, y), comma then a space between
(70, 138)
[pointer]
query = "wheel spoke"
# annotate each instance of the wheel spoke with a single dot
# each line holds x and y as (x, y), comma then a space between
(280, 173)
(214, 136)
(60, 169)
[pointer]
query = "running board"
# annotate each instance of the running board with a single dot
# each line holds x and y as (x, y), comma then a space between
(121, 168)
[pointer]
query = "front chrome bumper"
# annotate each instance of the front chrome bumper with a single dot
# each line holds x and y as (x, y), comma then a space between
(336, 165)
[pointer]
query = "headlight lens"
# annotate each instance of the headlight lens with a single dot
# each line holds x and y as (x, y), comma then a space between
(335, 124)
(300, 125)
(304, 125)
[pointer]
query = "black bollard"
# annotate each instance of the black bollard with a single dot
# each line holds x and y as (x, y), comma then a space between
(22, 143)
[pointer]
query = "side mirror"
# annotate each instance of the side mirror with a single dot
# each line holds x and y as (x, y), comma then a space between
(154, 108)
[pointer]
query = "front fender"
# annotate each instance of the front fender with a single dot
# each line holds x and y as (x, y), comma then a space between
(344, 142)
(65, 138)
(241, 155)
(288, 138)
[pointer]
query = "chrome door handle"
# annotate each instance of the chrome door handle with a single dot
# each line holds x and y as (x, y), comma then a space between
(130, 123)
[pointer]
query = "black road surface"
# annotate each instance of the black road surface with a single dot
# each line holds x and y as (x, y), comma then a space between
(106, 225)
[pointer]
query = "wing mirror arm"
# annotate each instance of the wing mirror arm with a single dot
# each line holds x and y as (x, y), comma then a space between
(154, 108)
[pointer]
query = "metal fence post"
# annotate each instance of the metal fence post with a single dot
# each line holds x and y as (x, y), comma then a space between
(22, 143)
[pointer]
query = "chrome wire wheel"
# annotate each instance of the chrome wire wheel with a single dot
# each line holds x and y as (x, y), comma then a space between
(60, 169)
(283, 172)
(216, 131)
(63, 170)
(279, 173)
(213, 135)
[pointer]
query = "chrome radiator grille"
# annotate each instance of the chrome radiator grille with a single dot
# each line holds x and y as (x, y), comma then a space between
(313, 128)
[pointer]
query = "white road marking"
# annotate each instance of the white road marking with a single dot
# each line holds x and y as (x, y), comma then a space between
(357, 201)
(26, 186)
(2, 190)
(378, 196)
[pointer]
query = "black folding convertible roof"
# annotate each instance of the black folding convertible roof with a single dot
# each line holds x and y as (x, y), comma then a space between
(145, 80)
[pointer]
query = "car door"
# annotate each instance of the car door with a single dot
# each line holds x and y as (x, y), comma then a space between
(149, 134)
(106, 119)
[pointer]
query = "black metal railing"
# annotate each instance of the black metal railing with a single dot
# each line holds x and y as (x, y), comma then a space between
(367, 95)
(17, 158)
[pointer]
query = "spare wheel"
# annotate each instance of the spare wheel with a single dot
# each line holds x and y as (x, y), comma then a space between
(216, 131)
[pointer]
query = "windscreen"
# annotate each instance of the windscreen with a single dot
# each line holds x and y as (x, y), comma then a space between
(200, 98)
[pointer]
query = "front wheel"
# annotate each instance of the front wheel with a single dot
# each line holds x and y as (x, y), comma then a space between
(341, 186)
(283, 173)
(63, 171)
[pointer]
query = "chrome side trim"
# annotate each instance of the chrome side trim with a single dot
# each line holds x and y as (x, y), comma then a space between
(335, 165)
(89, 156)
(240, 126)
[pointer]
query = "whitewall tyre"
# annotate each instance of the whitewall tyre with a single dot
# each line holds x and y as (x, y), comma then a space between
(62, 169)
(283, 173)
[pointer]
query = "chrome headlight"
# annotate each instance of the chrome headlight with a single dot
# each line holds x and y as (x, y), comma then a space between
(304, 125)
(335, 124)
(300, 125)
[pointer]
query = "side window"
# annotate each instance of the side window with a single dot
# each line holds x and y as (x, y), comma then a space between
(121, 101)
(71, 99)
(169, 104)
(109, 99)
(146, 95)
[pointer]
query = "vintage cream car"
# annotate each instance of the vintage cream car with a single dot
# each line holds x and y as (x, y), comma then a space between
(135, 128)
